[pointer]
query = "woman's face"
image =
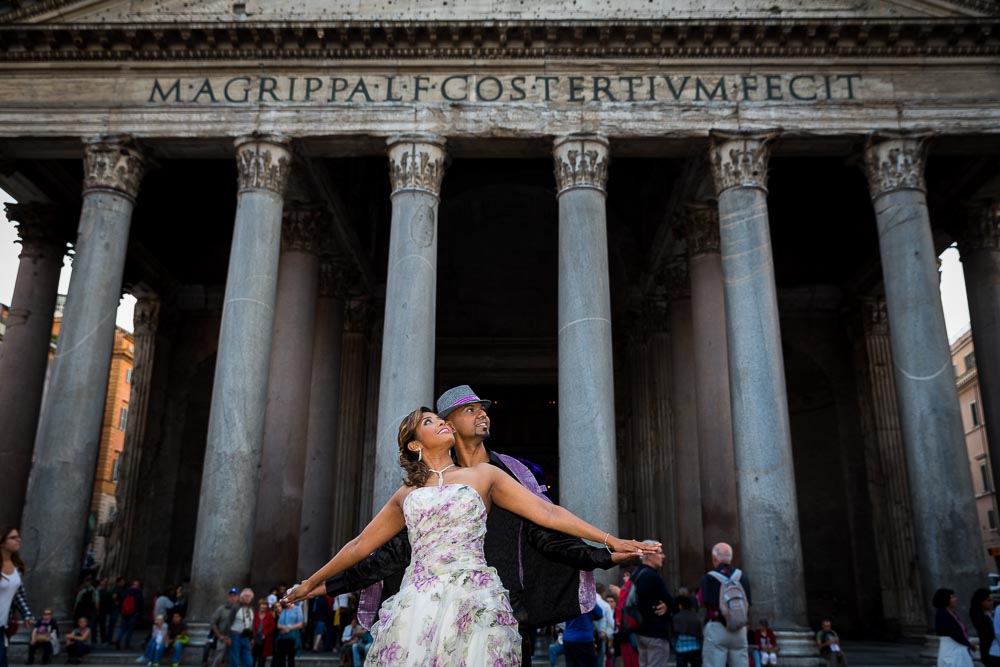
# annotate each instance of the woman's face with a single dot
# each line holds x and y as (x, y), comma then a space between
(987, 604)
(953, 602)
(262, 608)
(12, 542)
(434, 432)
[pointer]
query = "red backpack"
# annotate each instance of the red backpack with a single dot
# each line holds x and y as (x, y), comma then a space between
(128, 605)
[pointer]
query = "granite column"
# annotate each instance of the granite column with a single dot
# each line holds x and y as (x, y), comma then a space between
(24, 353)
(980, 249)
(351, 424)
(416, 167)
(588, 485)
(770, 543)
(720, 519)
(947, 527)
(230, 473)
(69, 431)
(322, 475)
(286, 420)
(691, 555)
(145, 320)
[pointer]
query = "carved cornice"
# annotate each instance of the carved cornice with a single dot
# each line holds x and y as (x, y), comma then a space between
(982, 228)
(146, 317)
(874, 316)
(38, 230)
(416, 163)
(895, 163)
(301, 229)
(581, 161)
(701, 227)
(739, 160)
(263, 162)
(675, 279)
(368, 40)
(112, 163)
(337, 277)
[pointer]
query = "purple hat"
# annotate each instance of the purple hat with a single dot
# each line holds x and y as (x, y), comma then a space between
(457, 396)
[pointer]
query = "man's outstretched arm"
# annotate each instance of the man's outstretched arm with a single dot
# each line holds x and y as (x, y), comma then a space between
(569, 550)
(391, 558)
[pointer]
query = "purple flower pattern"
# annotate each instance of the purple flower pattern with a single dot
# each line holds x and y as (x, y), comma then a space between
(451, 609)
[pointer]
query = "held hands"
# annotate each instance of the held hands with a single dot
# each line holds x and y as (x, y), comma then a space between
(298, 593)
(631, 548)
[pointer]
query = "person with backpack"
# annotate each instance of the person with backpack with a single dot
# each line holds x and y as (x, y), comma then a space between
(725, 595)
(131, 606)
(648, 608)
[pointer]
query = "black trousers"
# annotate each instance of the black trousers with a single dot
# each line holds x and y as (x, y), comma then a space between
(284, 652)
(45, 647)
(580, 654)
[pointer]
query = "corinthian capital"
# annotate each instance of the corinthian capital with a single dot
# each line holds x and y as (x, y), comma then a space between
(701, 225)
(301, 229)
(674, 276)
(146, 316)
(416, 163)
(739, 160)
(581, 161)
(263, 162)
(37, 229)
(112, 163)
(982, 227)
(874, 315)
(895, 163)
(336, 277)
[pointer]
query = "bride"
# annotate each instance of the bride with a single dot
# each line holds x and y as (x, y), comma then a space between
(451, 608)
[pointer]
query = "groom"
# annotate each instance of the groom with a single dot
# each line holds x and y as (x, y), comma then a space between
(549, 574)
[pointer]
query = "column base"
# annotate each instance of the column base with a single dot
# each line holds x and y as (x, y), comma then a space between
(798, 648)
(929, 651)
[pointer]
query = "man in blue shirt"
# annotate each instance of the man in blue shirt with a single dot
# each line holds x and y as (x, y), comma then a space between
(578, 639)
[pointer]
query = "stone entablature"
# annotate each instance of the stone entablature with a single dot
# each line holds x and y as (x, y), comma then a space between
(714, 38)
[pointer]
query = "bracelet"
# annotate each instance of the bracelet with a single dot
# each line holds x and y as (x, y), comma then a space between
(606, 536)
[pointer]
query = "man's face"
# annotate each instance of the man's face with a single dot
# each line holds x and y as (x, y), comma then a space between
(654, 561)
(470, 421)
(827, 625)
(246, 597)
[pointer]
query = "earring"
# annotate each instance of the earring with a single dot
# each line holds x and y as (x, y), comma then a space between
(420, 455)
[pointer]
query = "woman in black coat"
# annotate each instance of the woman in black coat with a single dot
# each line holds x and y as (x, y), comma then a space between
(981, 614)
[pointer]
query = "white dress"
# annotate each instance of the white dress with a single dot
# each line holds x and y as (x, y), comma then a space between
(451, 609)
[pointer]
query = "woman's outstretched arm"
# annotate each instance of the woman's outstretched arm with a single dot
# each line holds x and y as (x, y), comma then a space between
(386, 524)
(508, 494)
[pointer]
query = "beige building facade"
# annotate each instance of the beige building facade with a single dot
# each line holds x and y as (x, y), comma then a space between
(971, 400)
(688, 248)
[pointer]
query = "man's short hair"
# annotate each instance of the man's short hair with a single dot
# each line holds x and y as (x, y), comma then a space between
(722, 552)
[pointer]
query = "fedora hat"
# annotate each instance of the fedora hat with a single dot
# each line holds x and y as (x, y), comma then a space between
(457, 396)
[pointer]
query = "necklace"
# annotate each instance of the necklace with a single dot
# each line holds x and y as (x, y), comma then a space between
(440, 473)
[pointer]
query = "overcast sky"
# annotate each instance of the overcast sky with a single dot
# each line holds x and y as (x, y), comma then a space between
(956, 308)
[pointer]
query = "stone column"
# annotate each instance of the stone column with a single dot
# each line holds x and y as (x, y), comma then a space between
(588, 486)
(771, 547)
(416, 167)
(687, 476)
(25, 349)
(322, 476)
(286, 420)
(639, 432)
(145, 320)
(372, 410)
(885, 463)
(348, 467)
(239, 393)
(69, 431)
(947, 527)
(720, 519)
(980, 248)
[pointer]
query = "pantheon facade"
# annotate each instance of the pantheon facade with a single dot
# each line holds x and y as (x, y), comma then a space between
(688, 248)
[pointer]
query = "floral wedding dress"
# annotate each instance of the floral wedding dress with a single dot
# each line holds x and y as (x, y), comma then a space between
(451, 609)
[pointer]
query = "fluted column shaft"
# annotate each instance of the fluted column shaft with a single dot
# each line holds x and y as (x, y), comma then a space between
(350, 426)
(588, 485)
(720, 519)
(145, 320)
(366, 493)
(239, 392)
(691, 557)
(769, 532)
(69, 431)
(980, 248)
(322, 446)
(416, 167)
(286, 420)
(944, 510)
(24, 353)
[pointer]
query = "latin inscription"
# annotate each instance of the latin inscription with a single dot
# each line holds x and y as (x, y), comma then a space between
(473, 88)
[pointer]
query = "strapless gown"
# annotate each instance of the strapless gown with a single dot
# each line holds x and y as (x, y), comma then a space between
(451, 609)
